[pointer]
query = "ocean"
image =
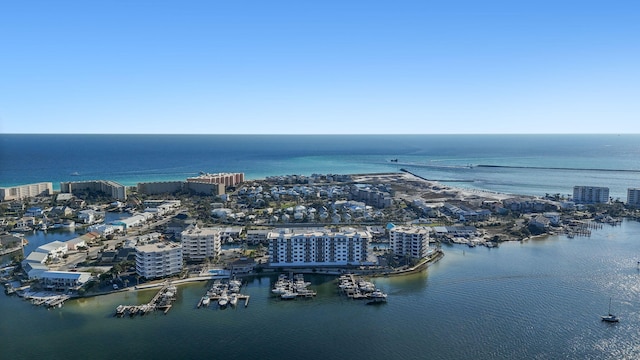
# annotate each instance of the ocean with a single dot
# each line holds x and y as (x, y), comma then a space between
(520, 164)
(539, 299)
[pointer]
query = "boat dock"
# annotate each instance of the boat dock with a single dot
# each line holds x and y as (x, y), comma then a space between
(45, 299)
(162, 300)
(359, 289)
(292, 287)
(223, 294)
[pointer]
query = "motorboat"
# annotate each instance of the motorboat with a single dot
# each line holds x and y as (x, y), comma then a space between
(223, 300)
(288, 295)
(378, 295)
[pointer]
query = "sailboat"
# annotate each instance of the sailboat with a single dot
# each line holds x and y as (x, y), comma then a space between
(610, 317)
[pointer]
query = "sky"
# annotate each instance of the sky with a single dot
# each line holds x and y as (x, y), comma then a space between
(320, 67)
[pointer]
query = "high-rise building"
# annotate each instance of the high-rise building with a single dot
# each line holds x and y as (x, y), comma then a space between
(318, 248)
(158, 260)
(633, 197)
(25, 191)
(412, 242)
(590, 195)
(201, 243)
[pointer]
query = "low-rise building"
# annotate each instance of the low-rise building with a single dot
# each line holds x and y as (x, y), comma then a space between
(64, 280)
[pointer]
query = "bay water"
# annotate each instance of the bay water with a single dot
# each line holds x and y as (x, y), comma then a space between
(539, 299)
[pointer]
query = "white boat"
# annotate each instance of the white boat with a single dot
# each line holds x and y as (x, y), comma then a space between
(609, 317)
(378, 295)
(288, 295)
(206, 300)
(233, 299)
(223, 300)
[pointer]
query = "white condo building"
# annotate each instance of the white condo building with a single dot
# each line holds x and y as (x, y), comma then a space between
(633, 197)
(409, 241)
(590, 194)
(158, 260)
(318, 248)
(25, 191)
(201, 243)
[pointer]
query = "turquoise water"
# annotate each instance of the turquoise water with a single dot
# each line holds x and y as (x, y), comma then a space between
(130, 159)
(539, 299)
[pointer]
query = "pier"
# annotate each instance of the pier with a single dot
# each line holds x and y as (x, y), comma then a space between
(162, 300)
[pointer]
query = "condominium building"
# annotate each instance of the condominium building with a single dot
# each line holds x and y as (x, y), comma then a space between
(412, 242)
(227, 179)
(633, 197)
(25, 191)
(167, 187)
(158, 260)
(111, 188)
(318, 248)
(201, 243)
(590, 194)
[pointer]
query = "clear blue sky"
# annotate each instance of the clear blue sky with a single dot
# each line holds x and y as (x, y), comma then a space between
(320, 67)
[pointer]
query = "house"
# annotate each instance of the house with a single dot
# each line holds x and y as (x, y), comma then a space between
(242, 266)
(61, 211)
(540, 221)
(74, 244)
(55, 249)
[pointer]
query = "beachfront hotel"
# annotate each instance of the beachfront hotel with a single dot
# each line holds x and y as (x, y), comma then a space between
(201, 243)
(111, 188)
(318, 248)
(25, 191)
(590, 195)
(410, 242)
(158, 260)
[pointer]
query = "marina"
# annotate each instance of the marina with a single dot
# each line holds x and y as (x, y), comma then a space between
(358, 288)
(224, 293)
(292, 287)
(161, 301)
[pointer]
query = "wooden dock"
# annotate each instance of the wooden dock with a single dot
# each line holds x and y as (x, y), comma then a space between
(162, 300)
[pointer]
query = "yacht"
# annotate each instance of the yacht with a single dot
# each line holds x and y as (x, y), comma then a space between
(233, 299)
(224, 299)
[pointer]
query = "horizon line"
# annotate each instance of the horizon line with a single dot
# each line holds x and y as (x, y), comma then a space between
(322, 134)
